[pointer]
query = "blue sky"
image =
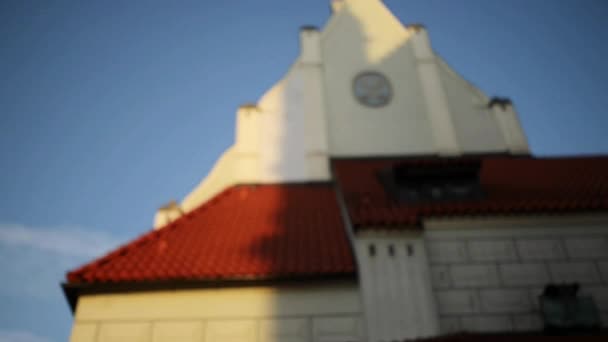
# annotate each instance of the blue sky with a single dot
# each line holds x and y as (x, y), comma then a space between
(109, 109)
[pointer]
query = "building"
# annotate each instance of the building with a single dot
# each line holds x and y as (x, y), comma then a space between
(372, 194)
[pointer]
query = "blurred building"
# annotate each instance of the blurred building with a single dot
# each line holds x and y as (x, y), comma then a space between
(372, 194)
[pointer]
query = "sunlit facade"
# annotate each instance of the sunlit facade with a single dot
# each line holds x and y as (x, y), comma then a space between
(371, 194)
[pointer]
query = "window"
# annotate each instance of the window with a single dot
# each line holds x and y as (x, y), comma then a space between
(440, 181)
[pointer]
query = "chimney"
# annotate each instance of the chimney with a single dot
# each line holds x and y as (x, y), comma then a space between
(167, 214)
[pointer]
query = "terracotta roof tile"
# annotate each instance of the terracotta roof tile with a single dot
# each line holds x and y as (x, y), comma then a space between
(286, 231)
(511, 185)
(245, 232)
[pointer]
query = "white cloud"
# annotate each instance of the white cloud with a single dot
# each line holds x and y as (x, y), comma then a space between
(21, 336)
(33, 261)
(66, 241)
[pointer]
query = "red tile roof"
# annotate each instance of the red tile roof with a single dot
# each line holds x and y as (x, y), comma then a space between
(290, 230)
(511, 185)
(245, 232)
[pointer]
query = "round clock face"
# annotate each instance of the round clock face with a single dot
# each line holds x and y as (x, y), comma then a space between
(372, 89)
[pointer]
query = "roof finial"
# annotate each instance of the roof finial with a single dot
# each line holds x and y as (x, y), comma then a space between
(336, 5)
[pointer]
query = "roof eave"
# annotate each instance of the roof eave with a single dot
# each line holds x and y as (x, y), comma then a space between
(73, 291)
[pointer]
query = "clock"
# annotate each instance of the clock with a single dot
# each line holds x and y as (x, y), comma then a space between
(372, 89)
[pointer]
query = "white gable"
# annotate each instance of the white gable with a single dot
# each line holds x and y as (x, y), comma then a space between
(311, 114)
(363, 36)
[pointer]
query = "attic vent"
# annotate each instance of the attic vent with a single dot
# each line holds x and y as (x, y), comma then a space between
(372, 250)
(410, 249)
(443, 180)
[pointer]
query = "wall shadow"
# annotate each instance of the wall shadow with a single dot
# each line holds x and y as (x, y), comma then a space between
(305, 245)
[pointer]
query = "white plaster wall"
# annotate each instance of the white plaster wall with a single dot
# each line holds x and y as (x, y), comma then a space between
(288, 135)
(221, 176)
(282, 145)
(363, 35)
(281, 138)
(487, 274)
(313, 313)
(476, 126)
(510, 126)
(433, 110)
(310, 114)
(395, 287)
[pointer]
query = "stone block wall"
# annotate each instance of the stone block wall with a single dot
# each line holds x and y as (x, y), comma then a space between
(491, 281)
(308, 313)
(296, 329)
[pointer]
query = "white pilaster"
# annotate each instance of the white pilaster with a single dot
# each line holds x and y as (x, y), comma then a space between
(434, 95)
(310, 65)
(509, 125)
(396, 287)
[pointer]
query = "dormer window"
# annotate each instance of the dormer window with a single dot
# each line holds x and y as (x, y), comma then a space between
(442, 180)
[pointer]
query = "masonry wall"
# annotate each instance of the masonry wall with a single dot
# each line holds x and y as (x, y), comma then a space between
(489, 279)
(294, 314)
